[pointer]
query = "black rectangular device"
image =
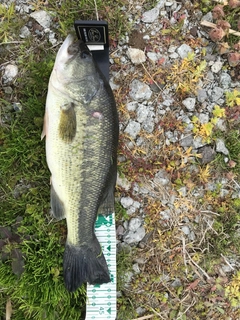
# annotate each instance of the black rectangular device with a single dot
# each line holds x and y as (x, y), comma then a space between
(95, 34)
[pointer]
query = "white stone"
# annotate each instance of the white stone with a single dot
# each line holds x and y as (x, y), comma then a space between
(136, 56)
(152, 56)
(42, 17)
(139, 91)
(134, 224)
(10, 72)
(184, 50)
(189, 103)
(142, 113)
(133, 128)
(186, 230)
(126, 202)
(220, 147)
(24, 32)
(151, 15)
(217, 66)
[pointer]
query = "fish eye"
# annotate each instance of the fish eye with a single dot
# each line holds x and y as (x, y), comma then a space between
(73, 49)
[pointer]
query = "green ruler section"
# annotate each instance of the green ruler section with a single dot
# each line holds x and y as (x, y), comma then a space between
(101, 299)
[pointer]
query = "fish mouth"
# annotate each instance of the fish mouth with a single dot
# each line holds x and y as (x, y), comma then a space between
(71, 48)
(79, 47)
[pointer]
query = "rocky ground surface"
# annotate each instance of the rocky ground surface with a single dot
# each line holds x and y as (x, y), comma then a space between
(177, 174)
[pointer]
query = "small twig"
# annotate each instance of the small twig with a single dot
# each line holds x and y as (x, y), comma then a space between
(236, 183)
(151, 77)
(213, 25)
(225, 259)
(208, 211)
(96, 9)
(184, 254)
(204, 272)
(11, 42)
(158, 314)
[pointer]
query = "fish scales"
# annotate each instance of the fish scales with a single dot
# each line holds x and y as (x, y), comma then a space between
(81, 128)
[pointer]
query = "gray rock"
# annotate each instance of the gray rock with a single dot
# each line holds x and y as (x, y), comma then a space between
(53, 40)
(126, 202)
(225, 80)
(198, 143)
(151, 15)
(208, 17)
(148, 125)
(201, 95)
(152, 56)
(216, 94)
(221, 125)
(189, 103)
(217, 66)
(8, 90)
(24, 32)
(173, 55)
(139, 91)
(140, 311)
(185, 230)
(183, 50)
(120, 230)
(165, 215)
(210, 76)
(186, 141)
(192, 236)
(113, 85)
(131, 106)
(42, 17)
(208, 154)
(183, 191)
(203, 118)
(220, 147)
(10, 72)
(176, 283)
(136, 56)
(134, 224)
(131, 237)
(161, 177)
(167, 102)
(142, 113)
(133, 128)
(172, 49)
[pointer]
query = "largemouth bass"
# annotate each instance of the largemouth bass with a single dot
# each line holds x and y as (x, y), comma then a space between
(81, 129)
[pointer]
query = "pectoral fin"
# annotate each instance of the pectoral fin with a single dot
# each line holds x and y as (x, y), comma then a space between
(68, 123)
(45, 125)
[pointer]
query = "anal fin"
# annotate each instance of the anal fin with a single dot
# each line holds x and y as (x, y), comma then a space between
(57, 206)
(106, 206)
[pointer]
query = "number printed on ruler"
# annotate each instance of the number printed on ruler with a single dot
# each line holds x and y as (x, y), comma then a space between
(101, 299)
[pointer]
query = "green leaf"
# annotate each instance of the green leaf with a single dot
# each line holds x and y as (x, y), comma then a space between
(218, 112)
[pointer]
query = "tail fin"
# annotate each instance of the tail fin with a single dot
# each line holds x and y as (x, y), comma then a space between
(85, 263)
